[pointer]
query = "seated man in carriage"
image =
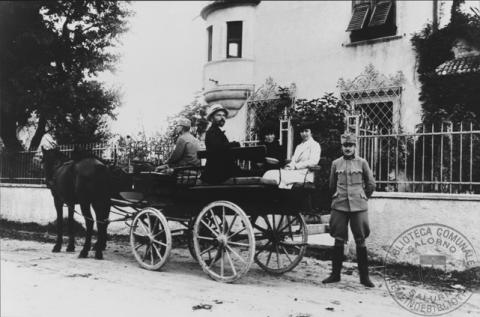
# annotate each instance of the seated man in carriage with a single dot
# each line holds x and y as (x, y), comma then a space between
(186, 148)
(220, 160)
(307, 154)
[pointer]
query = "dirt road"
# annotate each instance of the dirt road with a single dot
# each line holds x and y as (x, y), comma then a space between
(36, 282)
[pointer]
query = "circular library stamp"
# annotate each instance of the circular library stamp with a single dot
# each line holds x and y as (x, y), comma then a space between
(429, 249)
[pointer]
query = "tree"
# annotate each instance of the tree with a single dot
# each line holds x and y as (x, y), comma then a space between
(51, 53)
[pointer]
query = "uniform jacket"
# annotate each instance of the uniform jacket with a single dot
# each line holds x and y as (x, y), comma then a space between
(220, 162)
(353, 183)
(185, 152)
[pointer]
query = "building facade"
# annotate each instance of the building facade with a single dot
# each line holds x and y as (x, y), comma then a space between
(360, 50)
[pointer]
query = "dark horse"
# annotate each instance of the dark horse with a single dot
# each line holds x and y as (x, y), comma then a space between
(85, 181)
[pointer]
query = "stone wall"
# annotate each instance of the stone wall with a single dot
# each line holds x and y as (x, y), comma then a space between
(390, 214)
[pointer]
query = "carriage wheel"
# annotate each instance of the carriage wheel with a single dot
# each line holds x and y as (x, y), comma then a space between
(281, 242)
(223, 241)
(150, 238)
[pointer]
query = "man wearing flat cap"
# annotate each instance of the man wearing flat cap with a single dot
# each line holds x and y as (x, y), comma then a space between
(220, 161)
(186, 147)
(352, 183)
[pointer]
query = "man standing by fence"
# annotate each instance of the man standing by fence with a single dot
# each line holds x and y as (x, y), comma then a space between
(352, 183)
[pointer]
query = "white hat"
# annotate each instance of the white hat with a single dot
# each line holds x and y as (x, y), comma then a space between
(215, 108)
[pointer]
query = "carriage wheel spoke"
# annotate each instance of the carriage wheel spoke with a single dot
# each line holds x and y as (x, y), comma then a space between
(207, 250)
(215, 220)
(160, 242)
(238, 244)
(209, 228)
(214, 258)
(286, 253)
(231, 262)
(223, 220)
(146, 252)
(143, 224)
(260, 228)
(233, 221)
(234, 234)
(151, 256)
(263, 248)
(221, 262)
(140, 235)
(157, 251)
(280, 223)
(157, 234)
(269, 257)
(235, 253)
(288, 224)
(138, 246)
(278, 256)
(207, 238)
(149, 223)
(268, 223)
(260, 237)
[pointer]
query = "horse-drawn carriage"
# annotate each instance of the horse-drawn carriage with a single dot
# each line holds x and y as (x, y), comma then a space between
(228, 226)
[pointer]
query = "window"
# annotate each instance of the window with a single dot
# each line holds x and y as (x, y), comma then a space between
(209, 35)
(234, 39)
(372, 19)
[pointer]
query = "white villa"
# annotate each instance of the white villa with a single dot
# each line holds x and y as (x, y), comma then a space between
(359, 50)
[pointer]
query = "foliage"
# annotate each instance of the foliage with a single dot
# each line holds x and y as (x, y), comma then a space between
(49, 55)
(456, 97)
(325, 116)
(196, 112)
(154, 149)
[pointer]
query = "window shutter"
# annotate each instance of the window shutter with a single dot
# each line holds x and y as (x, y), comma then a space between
(380, 13)
(359, 16)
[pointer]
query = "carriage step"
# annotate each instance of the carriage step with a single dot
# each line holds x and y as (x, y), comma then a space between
(317, 228)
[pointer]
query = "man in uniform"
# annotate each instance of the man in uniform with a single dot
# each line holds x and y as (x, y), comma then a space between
(220, 161)
(352, 183)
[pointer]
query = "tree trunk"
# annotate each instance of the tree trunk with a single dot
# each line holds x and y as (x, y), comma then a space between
(37, 137)
(8, 132)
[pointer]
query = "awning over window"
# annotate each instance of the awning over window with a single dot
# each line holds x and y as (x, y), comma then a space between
(380, 13)
(459, 66)
(359, 16)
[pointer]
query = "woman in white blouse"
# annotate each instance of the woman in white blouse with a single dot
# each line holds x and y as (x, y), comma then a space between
(307, 154)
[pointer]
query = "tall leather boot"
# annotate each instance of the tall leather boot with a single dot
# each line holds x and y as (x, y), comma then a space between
(337, 260)
(363, 266)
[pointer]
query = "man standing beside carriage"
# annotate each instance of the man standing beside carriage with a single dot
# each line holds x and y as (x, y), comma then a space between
(352, 184)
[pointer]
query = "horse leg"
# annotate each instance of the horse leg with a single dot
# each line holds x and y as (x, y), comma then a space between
(89, 224)
(71, 234)
(59, 208)
(102, 210)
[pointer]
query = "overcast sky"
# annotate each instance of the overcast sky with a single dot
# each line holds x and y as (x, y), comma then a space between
(160, 70)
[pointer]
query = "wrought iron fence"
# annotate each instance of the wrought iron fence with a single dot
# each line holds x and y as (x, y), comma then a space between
(438, 158)
(25, 166)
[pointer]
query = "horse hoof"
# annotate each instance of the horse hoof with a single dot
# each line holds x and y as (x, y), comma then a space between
(71, 248)
(83, 254)
(56, 248)
(98, 255)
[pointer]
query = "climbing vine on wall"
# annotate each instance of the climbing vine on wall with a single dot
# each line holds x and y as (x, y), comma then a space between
(454, 97)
